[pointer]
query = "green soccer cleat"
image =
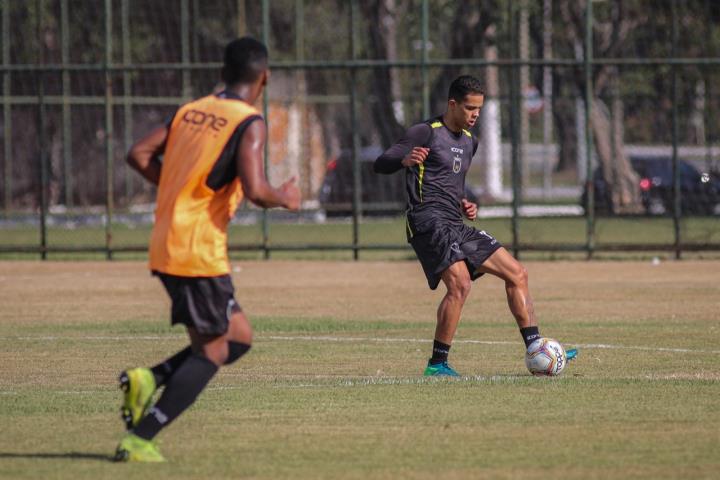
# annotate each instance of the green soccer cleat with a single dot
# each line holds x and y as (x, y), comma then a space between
(571, 354)
(135, 449)
(440, 370)
(138, 386)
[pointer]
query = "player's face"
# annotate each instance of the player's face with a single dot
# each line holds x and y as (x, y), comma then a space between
(468, 110)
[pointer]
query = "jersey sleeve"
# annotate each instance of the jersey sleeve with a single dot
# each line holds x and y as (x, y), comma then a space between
(391, 160)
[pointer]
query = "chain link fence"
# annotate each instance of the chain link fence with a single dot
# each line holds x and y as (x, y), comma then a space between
(599, 133)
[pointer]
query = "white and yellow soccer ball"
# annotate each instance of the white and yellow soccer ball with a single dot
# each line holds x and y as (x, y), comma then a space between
(545, 357)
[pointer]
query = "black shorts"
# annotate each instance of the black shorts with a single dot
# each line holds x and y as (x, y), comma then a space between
(203, 303)
(440, 245)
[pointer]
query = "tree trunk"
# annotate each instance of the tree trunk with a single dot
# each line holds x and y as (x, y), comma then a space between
(381, 31)
(491, 126)
(547, 98)
(524, 41)
(471, 21)
(623, 181)
(563, 111)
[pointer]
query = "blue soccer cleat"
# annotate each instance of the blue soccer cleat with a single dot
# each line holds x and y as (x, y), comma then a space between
(571, 354)
(440, 370)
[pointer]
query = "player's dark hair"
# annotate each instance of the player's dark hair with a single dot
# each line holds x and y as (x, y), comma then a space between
(465, 85)
(245, 60)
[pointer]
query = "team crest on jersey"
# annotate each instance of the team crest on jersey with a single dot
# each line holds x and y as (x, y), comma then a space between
(457, 164)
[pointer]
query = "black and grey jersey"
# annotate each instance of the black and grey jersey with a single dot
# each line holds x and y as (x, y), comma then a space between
(435, 188)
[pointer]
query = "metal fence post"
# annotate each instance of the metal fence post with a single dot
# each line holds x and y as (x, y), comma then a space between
(590, 187)
(305, 168)
(677, 205)
(66, 108)
(7, 114)
(195, 14)
(266, 41)
(425, 20)
(357, 180)
(514, 17)
(241, 19)
(185, 47)
(41, 138)
(127, 92)
(109, 178)
(43, 164)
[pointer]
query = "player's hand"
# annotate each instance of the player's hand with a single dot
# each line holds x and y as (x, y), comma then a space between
(470, 209)
(291, 193)
(415, 157)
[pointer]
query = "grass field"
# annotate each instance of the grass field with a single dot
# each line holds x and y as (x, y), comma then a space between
(332, 388)
(548, 231)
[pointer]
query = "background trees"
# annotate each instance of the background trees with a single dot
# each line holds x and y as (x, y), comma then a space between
(631, 104)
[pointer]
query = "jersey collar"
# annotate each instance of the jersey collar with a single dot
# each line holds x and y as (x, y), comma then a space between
(226, 94)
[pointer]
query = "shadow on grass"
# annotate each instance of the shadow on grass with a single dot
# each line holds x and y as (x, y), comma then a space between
(50, 456)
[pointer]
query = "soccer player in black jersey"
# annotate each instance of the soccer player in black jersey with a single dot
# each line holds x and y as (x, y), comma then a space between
(436, 155)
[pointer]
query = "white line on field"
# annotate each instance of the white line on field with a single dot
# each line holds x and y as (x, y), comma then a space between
(353, 382)
(482, 342)
(330, 338)
(52, 338)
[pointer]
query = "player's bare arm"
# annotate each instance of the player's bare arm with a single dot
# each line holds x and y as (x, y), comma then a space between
(251, 171)
(143, 156)
(470, 209)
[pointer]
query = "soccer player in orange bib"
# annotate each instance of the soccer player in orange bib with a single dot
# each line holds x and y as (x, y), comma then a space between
(212, 156)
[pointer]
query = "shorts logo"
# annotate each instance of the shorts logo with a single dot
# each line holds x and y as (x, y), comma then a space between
(492, 239)
(457, 164)
(229, 309)
(455, 247)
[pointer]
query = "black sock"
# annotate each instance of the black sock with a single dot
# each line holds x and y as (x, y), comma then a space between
(439, 353)
(529, 334)
(164, 370)
(180, 392)
(235, 351)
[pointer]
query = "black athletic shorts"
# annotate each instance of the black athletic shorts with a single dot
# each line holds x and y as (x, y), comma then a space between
(203, 303)
(442, 244)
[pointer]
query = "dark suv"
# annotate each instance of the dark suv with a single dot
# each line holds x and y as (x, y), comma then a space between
(381, 194)
(699, 191)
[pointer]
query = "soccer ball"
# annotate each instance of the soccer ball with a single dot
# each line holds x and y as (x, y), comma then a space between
(545, 357)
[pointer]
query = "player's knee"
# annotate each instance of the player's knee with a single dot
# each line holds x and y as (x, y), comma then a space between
(217, 353)
(520, 275)
(245, 335)
(236, 350)
(460, 288)
(524, 275)
(240, 330)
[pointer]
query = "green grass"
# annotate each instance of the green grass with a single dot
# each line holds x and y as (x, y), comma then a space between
(561, 230)
(332, 387)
